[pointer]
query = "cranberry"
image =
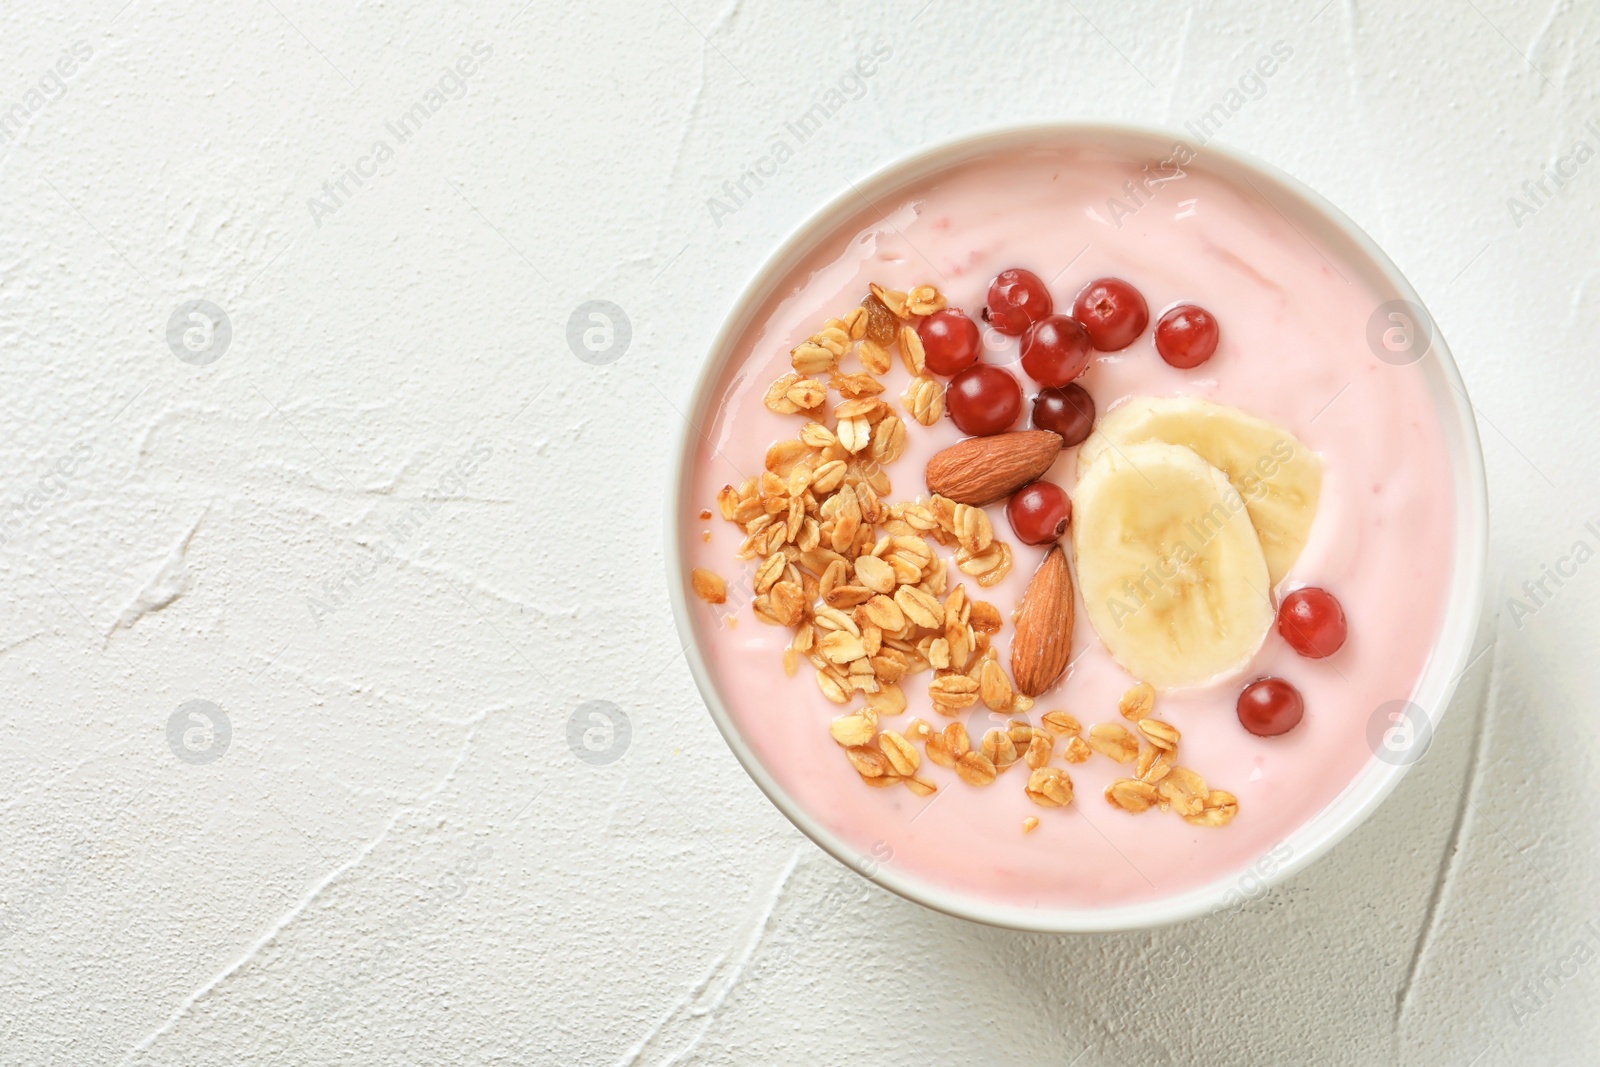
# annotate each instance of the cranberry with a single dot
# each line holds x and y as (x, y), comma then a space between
(1068, 411)
(983, 399)
(1113, 313)
(1017, 300)
(950, 340)
(1055, 350)
(1270, 706)
(1039, 512)
(1186, 336)
(1312, 621)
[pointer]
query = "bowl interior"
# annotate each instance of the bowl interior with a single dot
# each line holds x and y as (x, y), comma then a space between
(1320, 222)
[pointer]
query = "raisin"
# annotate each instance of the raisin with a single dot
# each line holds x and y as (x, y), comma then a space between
(882, 326)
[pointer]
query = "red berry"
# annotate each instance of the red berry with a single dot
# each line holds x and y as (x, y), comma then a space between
(1113, 313)
(1186, 336)
(983, 399)
(1039, 512)
(1068, 411)
(1312, 621)
(1270, 707)
(950, 340)
(1017, 300)
(1055, 350)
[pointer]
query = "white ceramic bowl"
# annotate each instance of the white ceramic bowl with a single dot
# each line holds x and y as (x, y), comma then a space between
(1451, 650)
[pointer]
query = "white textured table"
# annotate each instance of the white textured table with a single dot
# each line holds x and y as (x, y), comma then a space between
(396, 533)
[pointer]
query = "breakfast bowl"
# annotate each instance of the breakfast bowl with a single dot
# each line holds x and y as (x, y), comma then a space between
(1076, 528)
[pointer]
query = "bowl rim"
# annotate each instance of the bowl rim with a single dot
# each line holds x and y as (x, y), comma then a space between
(1447, 661)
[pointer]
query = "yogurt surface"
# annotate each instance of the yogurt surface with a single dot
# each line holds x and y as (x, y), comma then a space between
(1294, 316)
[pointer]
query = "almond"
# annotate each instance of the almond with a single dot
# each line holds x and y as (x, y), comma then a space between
(1043, 641)
(981, 470)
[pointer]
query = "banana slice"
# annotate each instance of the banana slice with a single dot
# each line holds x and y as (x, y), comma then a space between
(1279, 478)
(1171, 571)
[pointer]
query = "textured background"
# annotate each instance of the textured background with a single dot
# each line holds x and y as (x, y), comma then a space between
(397, 532)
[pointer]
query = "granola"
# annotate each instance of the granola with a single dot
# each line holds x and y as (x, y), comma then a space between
(863, 581)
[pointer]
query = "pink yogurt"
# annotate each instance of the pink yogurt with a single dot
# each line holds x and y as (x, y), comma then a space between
(1294, 350)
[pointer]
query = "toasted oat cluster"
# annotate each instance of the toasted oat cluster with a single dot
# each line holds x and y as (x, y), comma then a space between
(1158, 781)
(863, 583)
(861, 579)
